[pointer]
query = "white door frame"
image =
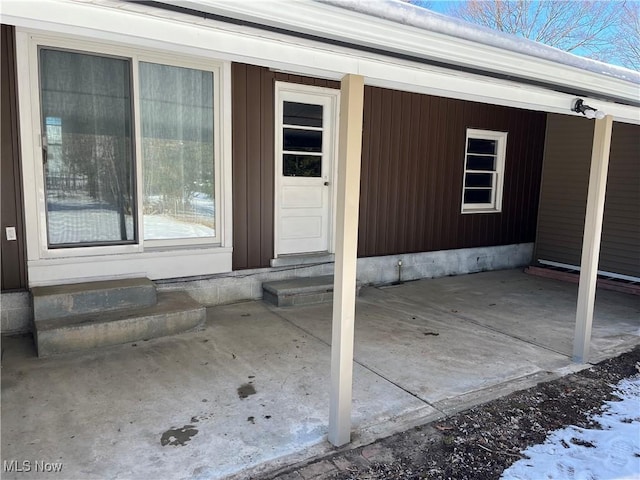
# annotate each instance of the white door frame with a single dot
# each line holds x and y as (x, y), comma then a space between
(330, 123)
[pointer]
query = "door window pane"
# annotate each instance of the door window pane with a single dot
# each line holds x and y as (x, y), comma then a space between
(301, 166)
(302, 140)
(302, 114)
(177, 150)
(87, 148)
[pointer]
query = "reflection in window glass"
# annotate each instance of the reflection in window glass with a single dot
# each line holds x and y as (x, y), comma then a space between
(87, 128)
(477, 196)
(302, 114)
(302, 140)
(477, 162)
(479, 180)
(481, 145)
(301, 165)
(177, 150)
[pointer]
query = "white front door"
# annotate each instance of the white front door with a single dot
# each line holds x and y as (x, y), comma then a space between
(306, 127)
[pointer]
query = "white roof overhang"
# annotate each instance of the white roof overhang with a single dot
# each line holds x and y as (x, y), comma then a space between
(320, 39)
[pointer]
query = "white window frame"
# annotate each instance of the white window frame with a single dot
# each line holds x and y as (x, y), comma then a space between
(135, 259)
(497, 186)
(217, 152)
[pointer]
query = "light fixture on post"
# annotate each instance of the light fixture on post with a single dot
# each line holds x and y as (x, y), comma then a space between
(589, 112)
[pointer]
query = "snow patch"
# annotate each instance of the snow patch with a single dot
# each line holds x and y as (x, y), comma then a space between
(584, 453)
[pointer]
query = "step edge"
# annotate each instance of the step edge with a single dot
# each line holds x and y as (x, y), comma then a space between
(193, 324)
(94, 286)
(186, 303)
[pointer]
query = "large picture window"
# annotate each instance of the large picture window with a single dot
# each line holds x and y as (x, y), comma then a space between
(483, 171)
(87, 149)
(129, 150)
(177, 152)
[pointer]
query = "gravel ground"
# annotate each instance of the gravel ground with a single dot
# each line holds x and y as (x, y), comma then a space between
(479, 443)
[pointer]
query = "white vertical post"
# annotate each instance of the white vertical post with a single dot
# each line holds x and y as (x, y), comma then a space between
(344, 287)
(591, 238)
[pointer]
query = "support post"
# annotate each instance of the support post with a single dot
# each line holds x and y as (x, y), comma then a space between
(344, 288)
(591, 238)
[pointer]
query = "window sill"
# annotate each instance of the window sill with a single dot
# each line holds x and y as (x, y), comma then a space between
(151, 264)
(486, 210)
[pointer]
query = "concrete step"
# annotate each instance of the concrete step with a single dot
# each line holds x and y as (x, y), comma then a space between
(300, 291)
(174, 312)
(62, 301)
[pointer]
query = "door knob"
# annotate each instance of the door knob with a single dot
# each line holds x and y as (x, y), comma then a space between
(326, 184)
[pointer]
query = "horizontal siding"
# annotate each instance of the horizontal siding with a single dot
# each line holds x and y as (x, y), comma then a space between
(564, 192)
(563, 197)
(620, 251)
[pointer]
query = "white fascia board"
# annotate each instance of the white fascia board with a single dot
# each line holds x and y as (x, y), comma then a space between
(148, 27)
(353, 27)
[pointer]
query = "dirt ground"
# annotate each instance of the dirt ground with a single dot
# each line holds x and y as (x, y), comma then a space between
(482, 442)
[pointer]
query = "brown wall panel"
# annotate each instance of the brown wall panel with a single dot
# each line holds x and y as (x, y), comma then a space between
(13, 254)
(253, 160)
(413, 153)
(411, 187)
(564, 195)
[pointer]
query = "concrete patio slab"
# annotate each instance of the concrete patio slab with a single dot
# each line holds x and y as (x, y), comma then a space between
(537, 310)
(433, 355)
(251, 391)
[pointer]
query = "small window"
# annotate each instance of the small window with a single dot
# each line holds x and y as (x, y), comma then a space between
(302, 139)
(483, 171)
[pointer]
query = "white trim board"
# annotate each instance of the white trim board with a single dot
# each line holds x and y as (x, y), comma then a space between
(153, 265)
(372, 26)
(604, 273)
(148, 27)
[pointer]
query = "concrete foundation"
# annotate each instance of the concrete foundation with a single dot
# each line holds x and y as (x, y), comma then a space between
(16, 311)
(247, 284)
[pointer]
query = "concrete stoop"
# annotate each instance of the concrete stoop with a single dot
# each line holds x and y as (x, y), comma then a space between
(300, 291)
(84, 316)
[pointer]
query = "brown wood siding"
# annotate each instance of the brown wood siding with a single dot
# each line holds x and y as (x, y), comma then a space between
(564, 195)
(14, 275)
(253, 160)
(412, 167)
(411, 187)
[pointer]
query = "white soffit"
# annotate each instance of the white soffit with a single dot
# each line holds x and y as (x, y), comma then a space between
(152, 27)
(401, 28)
